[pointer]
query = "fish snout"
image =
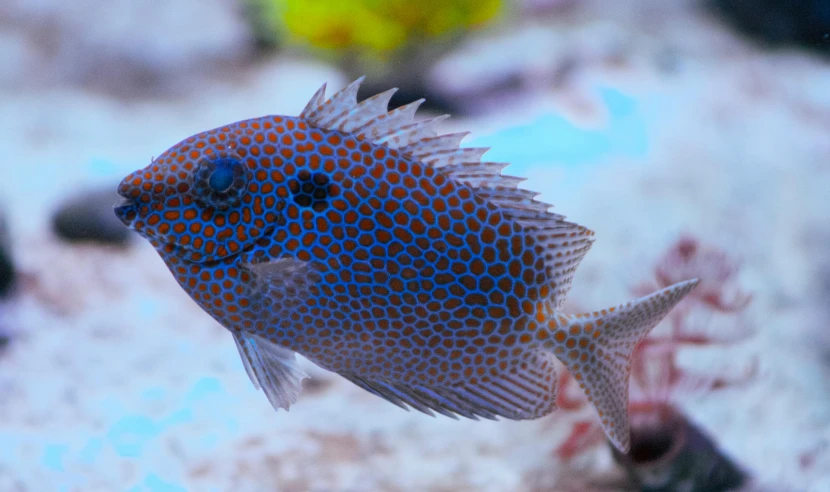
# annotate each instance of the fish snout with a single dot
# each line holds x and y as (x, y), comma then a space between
(126, 209)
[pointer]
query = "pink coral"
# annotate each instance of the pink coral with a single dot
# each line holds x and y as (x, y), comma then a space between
(715, 269)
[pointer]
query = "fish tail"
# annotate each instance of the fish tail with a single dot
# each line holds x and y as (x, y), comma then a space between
(597, 348)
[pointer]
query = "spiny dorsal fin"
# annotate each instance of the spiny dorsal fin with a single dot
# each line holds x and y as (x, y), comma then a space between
(433, 145)
(565, 243)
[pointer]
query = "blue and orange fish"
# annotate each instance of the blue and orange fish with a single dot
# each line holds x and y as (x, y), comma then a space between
(382, 251)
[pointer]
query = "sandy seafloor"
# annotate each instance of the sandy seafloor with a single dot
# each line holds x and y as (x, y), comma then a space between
(115, 380)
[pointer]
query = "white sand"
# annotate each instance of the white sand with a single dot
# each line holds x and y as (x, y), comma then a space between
(115, 379)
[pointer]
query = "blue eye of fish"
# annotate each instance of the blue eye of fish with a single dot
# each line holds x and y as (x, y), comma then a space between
(220, 182)
(221, 179)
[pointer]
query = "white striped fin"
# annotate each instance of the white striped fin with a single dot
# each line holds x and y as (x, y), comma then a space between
(565, 247)
(481, 175)
(397, 129)
(387, 122)
(430, 146)
(364, 112)
(514, 199)
(412, 133)
(514, 394)
(317, 100)
(465, 155)
(340, 104)
(272, 368)
(477, 169)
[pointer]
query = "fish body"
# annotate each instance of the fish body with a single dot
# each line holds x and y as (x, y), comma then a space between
(384, 252)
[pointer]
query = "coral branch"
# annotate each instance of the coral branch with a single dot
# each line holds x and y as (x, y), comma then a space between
(585, 434)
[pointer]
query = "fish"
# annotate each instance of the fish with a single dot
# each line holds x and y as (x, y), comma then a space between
(385, 252)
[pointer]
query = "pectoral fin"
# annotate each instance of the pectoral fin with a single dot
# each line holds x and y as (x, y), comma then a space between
(284, 281)
(272, 368)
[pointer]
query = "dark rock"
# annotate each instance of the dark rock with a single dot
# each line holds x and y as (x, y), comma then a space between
(7, 273)
(89, 217)
(776, 22)
(409, 92)
(408, 70)
(670, 453)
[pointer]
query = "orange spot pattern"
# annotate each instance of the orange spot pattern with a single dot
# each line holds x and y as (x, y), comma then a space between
(420, 279)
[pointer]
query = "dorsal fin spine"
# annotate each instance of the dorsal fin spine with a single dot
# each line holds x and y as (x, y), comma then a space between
(432, 145)
(396, 129)
(317, 99)
(383, 122)
(339, 105)
(364, 111)
(414, 132)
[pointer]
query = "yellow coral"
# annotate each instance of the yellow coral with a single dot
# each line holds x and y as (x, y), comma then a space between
(374, 26)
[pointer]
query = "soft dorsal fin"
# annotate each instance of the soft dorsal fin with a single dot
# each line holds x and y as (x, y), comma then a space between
(565, 243)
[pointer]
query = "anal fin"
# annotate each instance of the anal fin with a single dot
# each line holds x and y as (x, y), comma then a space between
(517, 394)
(272, 368)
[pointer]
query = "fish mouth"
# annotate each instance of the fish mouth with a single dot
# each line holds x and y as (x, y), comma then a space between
(126, 211)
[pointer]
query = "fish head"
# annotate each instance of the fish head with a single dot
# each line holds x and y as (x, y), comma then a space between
(205, 199)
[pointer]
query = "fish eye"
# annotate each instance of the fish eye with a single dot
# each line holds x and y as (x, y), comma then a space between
(312, 190)
(220, 182)
(221, 179)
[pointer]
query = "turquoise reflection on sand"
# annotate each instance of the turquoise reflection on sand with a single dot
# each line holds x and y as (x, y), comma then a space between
(553, 139)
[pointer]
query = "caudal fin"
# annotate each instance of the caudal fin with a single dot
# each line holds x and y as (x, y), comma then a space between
(597, 348)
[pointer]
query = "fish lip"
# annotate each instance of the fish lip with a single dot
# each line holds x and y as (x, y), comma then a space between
(126, 211)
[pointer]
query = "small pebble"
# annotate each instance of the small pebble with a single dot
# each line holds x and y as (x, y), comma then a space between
(7, 273)
(89, 217)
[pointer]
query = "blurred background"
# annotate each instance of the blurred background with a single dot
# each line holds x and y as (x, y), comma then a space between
(692, 136)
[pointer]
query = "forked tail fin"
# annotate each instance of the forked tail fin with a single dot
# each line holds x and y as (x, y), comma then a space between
(597, 348)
